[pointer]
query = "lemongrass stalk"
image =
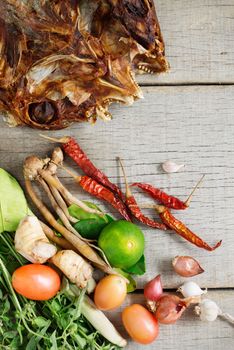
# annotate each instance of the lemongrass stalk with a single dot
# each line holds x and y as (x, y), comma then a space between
(98, 319)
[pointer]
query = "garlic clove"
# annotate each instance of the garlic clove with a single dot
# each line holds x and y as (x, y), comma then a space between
(208, 310)
(186, 266)
(171, 167)
(190, 289)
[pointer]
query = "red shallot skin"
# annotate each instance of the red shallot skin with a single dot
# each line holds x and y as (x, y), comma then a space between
(186, 266)
(153, 289)
(169, 309)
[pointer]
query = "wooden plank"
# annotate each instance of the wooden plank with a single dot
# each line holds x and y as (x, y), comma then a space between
(191, 125)
(189, 332)
(199, 41)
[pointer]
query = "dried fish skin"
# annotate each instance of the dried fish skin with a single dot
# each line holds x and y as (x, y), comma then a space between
(131, 27)
(65, 61)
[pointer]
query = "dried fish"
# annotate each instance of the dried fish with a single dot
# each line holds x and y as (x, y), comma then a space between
(67, 60)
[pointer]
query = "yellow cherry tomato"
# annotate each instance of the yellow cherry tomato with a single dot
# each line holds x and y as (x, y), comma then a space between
(140, 324)
(110, 292)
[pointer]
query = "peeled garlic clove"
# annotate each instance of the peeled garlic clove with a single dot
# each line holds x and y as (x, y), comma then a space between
(186, 266)
(191, 289)
(208, 310)
(171, 167)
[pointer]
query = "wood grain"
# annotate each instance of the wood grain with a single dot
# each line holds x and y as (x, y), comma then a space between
(199, 41)
(191, 125)
(189, 332)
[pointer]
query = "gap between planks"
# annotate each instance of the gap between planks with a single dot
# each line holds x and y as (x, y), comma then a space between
(196, 83)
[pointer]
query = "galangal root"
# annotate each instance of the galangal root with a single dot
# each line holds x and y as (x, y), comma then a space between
(74, 267)
(31, 242)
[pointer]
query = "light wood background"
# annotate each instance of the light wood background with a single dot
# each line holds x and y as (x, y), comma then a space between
(187, 115)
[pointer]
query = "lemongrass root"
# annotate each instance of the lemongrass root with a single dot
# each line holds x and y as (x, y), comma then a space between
(57, 208)
(31, 241)
(99, 320)
(69, 198)
(61, 242)
(59, 199)
(74, 267)
(56, 159)
(80, 245)
(32, 165)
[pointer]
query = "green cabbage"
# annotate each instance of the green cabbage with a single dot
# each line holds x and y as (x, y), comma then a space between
(13, 204)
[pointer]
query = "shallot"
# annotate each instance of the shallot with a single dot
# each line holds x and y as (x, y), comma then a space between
(191, 289)
(153, 289)
(171, 167)
(186, 266)
(169, 308)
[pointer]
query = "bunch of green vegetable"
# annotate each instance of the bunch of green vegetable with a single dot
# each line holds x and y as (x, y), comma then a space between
(54, 324)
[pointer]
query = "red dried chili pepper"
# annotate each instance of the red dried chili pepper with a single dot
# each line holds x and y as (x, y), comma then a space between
(161, 196)
(182, 230)
(96, 189)
(164, 198)
(73, 150)
(135, 209)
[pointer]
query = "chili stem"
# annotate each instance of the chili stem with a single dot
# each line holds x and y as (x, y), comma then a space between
(127, 188)
(76, 177)
(64, 139)
(188, 200)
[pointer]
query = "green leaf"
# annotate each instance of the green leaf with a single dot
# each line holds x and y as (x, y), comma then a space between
(81, 342)
(10, 335)
(13, 204)
(40, 322)
(91, 228)
(131, 286)
(89, 225)
(139, 268)
(53, 341)
(32, 344)
(55, 306)
(81, 214)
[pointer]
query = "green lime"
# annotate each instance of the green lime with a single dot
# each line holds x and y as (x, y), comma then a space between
(122, 242)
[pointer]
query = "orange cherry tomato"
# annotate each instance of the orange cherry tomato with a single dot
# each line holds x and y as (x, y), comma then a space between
(36, 282)
(141, 325)
(110, 292)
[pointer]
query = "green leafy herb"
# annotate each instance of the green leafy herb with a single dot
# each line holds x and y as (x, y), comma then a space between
(55, 324)
(139, 268)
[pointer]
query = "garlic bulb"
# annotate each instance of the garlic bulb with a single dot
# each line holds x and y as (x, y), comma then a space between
(190, 289)
(208, 310)
(171, 167)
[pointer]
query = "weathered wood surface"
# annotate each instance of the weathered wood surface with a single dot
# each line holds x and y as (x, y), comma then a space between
(191, 125)
(199, 41)
(189, 332)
